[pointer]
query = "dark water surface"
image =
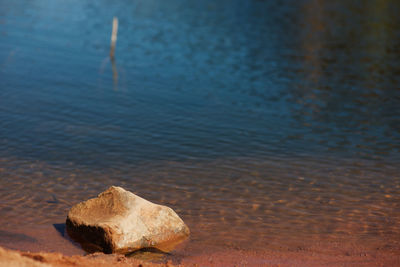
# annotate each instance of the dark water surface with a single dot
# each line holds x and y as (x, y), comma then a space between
(262, 123)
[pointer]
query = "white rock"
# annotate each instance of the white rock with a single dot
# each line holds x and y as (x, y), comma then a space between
(119, 221)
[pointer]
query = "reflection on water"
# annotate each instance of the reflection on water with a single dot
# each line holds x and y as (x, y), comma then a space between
(262, 124)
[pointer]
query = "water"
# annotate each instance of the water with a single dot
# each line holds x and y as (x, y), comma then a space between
(262, 124)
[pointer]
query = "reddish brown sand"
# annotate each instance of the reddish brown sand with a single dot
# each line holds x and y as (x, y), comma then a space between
(226, 258)
(37, 243)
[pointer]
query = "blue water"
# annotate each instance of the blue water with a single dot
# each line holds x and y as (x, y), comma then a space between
(241, 97)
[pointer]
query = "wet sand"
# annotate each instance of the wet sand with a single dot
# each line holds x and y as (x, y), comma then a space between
(225, 258)
(51, 245)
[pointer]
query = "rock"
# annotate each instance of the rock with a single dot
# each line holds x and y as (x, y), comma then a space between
(118, 221)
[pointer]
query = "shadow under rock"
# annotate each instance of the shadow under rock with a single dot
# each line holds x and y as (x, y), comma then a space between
(60, 227)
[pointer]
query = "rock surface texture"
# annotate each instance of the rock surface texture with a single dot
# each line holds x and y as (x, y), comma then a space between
(118, 221)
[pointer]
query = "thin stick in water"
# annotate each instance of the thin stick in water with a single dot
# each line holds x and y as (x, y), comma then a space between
(114, 36)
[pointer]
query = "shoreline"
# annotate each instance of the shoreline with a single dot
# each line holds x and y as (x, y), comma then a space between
(50, 246)
(225, 258)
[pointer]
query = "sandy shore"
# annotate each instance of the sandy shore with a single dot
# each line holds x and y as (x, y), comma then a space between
(227, 258)
(48, 245)
(17, 258)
